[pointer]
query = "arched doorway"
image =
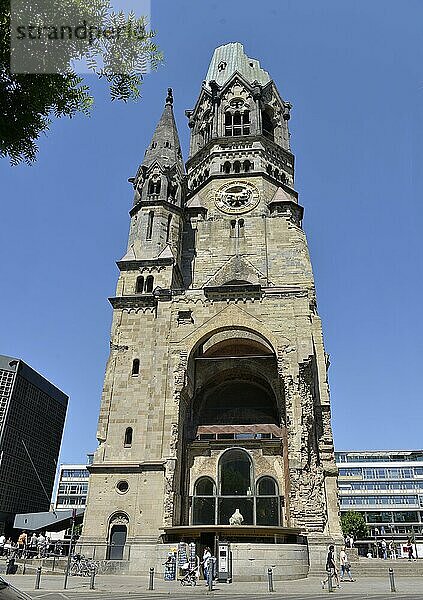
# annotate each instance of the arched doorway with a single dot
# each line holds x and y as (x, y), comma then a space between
(118, 531)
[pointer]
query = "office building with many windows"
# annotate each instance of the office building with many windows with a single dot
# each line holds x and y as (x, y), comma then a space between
(387, 487)
(32, 417)
(72, 486)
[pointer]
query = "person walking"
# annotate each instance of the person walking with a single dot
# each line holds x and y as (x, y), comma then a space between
(345, 565)
(22, 544)
(384, 547)
(410, 550)
(331, 567)
(207, 564)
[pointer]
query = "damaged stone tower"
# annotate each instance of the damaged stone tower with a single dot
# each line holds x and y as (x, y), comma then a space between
(216, 397)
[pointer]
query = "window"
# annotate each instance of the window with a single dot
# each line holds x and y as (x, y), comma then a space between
(235, 473)
(237, 123)
(233, 228)
(139, 286)
(154, 186)
(169, 221)
(204, 487)
(128, 437)
(241, 228)
(267, 503)
(247, 166)
(204, 502)
(149, 283)
(236, 492)
(135, 366)
(237, 166)
(150, 224)
(122, 487)
(227, 167)
(267, 125)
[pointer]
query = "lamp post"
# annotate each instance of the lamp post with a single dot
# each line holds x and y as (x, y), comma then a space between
(73, 518)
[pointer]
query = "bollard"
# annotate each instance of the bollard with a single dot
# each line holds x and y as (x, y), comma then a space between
(54, 563)
(330, 581)
(270, 580)
(92, 580)
(151, 581)
(392, 580)
(210, 576)
(37, 578)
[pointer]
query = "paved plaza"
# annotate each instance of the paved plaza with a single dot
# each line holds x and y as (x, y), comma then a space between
(131, 587)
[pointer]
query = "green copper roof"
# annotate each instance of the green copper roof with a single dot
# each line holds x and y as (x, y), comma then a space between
(230, 58)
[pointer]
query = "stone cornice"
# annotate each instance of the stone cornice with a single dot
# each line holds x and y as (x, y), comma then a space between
(133, 265)
(138, 301)
(157, 202)
(136, 467)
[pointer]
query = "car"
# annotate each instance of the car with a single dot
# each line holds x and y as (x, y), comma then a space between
(9, 592)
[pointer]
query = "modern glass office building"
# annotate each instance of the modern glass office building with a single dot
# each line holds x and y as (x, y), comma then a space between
(72, 486)
(386, 486)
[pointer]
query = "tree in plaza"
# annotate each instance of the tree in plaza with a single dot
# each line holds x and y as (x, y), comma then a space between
(117, 48)
(354, 524)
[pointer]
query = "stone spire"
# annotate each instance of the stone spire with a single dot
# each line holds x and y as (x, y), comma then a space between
(165, 147)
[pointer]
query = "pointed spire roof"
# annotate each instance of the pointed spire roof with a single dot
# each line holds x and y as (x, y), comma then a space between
(165, 147)
(231, 58)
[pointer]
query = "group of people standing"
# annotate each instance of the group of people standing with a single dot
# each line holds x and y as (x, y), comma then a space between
(31, 547)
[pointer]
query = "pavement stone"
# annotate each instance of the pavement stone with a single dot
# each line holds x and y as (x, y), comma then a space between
(134, 587)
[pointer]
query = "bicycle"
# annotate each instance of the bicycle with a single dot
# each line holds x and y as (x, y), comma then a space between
(83, 566)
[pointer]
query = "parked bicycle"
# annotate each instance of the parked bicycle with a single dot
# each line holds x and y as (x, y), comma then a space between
(82, 566)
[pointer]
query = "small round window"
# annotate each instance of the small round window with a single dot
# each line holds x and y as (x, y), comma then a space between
(122, 487)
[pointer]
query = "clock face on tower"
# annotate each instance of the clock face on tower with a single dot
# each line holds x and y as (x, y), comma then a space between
(237, 197)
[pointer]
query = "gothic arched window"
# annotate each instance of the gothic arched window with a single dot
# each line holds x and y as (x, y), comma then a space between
(247, 166)
(139, 286)
(237, 166)
(227, 167)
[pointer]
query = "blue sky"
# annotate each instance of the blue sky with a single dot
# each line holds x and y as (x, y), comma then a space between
(353, 72)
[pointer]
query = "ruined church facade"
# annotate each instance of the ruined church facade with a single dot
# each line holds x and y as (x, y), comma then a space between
(216, 397)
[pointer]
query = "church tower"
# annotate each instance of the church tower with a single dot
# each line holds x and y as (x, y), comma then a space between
(215, 414)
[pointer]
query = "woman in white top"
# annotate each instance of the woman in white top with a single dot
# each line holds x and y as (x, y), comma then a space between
(206, 561)
(345, 565)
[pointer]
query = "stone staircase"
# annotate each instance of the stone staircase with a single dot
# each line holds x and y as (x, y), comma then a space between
(376, 567)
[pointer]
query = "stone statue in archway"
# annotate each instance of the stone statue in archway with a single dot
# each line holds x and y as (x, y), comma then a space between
(237, 518)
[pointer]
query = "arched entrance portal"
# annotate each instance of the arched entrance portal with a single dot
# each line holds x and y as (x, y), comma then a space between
(234, 435)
